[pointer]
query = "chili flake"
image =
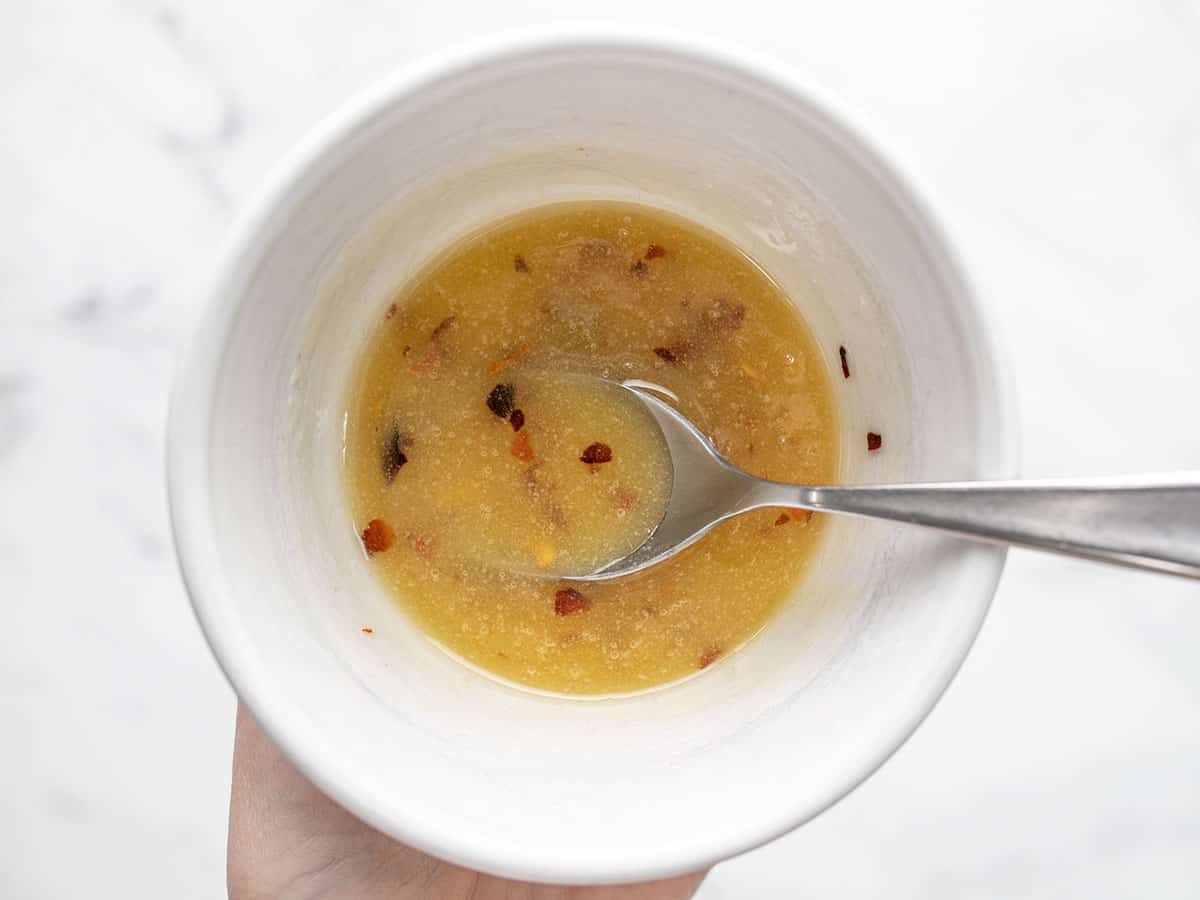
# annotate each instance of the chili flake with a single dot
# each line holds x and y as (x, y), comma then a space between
(596, 453)
(625, 500)
(366, 630)
(666, 354)
(422, 545)
(654, 252)
(569, 601)
(504, 364)
(521, 449)
(783, 519)
(378, 536)
(727, 316)
(516, 419)
(710, 656)
(500, 400)
(432, 356)
(874, 441)
(519, 263)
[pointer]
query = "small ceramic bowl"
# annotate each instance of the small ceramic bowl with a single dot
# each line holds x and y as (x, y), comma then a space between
(445, 758)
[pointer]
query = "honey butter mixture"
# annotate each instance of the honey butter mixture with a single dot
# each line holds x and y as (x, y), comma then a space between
(485, 461)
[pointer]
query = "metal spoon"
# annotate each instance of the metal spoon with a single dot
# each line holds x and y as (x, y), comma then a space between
(1149, 522)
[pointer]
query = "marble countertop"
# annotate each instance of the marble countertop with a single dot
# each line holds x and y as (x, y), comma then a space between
(1061, 142)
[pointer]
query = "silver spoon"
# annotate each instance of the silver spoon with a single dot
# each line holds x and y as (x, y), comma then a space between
(1149, 522)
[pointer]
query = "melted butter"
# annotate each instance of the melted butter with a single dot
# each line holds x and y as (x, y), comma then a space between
(483, 515)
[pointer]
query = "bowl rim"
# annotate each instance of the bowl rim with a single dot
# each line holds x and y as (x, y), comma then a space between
(191, 414)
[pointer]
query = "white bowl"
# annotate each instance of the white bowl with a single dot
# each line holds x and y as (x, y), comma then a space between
(445, 758)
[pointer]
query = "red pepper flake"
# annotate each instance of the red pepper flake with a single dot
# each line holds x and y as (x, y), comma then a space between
(845, 362)
(521, 449)
(422, 545)
(500, 400)
(596, 453)
(393, 454)
(430, 360)
(378, 536)
(666, 354)
(654, 252)
(710, 656)
(874, 441)
(391, 311)
(366, 630)
(625, 500)
(803, 516)
(517, 420)
(516, 356)
(727, 316)
(442, 327)
(519, 263)
(639, 268)
(783, 519)
(569, 601)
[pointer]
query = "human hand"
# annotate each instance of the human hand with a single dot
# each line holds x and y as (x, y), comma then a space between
(288, 841)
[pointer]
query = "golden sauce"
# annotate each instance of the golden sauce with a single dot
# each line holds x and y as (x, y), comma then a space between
(472, 507)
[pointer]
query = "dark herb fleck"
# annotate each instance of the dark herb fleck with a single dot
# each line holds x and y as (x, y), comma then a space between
(666, 354)
(442, 327)
(654, 252)
(517, 420)
(596, 453)
(393, 454)
(519, 263)
(639, 268)
(391, 311)
(845, 362)
(500, 400)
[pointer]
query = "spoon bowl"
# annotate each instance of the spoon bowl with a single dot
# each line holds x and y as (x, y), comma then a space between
(706, 488)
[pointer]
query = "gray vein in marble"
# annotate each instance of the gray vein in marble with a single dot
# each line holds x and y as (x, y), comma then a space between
(126, 318)
(1183, 13)
(16, 411)
(148, 541)
(1107, 268)
(1183, 155)
(201, 153)
(66, 805)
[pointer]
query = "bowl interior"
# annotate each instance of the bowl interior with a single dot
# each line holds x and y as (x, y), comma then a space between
(448, 759)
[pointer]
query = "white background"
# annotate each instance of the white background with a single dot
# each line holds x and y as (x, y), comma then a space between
(1059, 140)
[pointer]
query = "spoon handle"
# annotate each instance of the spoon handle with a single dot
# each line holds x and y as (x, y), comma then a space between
(1149, 522)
